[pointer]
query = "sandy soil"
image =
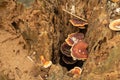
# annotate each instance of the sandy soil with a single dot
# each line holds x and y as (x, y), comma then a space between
(13, 57)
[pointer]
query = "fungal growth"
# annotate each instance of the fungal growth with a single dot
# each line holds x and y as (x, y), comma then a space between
(78, 50)
(65, 49)
(44, 62)
(68, 60)
(115, 25)
(74, 49)
(74, 38)
(75, 72)
(78, 23)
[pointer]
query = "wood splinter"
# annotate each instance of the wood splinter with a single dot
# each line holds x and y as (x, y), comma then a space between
(74, 15)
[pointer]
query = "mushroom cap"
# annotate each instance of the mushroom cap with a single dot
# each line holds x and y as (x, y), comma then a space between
(78, 51)
(78, 23)
(76, 72)
(115, 25)
(47, 64)
(42, 59)
(44, 62)
(74, 38)
(65, 49)
(68, 60)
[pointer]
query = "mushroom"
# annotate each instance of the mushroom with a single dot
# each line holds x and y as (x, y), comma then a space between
(78, 50)
(115, 25)
(65, 49)
(42, 59)
(44, 62)
(68, 60)
(74, 38)
(78, 23)
(47, 64)
(76, 71)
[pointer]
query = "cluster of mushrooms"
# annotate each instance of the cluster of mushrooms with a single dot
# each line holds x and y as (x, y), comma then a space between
(74, 48)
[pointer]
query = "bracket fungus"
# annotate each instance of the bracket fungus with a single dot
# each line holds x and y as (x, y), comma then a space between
(78, 23)
(74, 49)
(68, 60)
(74, 38)
(115, 25)
(78, 51)
(76, 71)
(65, 49)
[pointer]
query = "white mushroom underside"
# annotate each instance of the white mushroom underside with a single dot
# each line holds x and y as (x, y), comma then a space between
(75, 40)
(118, 27)
(115, 25)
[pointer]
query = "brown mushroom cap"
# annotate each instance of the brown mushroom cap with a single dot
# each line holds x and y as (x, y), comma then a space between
(115, 25)
(68, 60)
(75, 72)
(78, 51)
(65, 49)
(78, 23)
(73, 38)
